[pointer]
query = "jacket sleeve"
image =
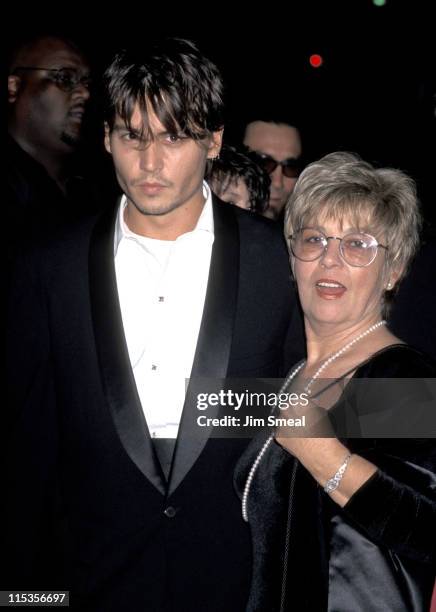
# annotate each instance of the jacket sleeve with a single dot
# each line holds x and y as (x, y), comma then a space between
(397, 505)
(31, 450)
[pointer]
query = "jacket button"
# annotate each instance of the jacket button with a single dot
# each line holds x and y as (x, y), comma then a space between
(170, 512)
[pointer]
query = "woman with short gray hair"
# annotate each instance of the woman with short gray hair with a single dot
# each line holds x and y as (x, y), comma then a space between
(342, 509)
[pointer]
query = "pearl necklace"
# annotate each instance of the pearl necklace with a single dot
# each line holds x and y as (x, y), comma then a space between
(285, 385)
(339, 353)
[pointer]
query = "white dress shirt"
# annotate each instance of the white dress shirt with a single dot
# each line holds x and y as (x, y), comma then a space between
(162, 287)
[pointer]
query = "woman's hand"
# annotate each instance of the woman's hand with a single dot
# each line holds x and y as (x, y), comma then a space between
(316, 425)
(317, 448)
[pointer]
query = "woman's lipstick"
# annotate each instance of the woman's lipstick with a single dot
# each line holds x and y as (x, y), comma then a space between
(329, 289)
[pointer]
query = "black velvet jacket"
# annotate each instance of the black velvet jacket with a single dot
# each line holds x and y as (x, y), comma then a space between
(377, 554)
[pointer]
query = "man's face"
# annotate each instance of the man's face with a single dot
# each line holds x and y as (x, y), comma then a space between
(161, 176)
(45, 115)
(281, 142)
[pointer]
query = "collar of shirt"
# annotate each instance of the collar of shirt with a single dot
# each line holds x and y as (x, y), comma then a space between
(204, 223)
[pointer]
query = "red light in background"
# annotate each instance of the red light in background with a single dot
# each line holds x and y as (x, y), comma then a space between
(315, 60)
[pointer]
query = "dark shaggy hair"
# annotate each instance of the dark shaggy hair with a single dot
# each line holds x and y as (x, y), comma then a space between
(233, 164)
(183, 88)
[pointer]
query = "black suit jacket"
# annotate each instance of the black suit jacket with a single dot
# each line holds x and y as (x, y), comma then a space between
(82, 451)
(35, 204)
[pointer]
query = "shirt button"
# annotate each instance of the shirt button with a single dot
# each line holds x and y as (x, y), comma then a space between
(170, 512)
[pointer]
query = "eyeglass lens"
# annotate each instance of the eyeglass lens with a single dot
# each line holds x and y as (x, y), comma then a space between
(357, 249)
(68, 79)
(291, 168)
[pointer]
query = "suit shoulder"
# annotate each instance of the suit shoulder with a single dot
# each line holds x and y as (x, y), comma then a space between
(66, 249)
(255, 229)
(70, 237)
(399, 361)
(258, 223)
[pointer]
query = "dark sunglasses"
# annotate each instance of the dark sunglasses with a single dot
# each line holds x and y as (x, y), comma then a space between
(291, 167)
(66, 79)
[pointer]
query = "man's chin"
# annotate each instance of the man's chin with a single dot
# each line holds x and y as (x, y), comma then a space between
(155, 210)
(274, 209)
(71, 140)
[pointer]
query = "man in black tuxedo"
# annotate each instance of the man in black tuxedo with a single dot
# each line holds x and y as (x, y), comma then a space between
(106, 325)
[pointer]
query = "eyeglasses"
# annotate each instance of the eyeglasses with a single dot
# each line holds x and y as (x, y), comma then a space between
(66, 79)
(356, 249)
(291, 167)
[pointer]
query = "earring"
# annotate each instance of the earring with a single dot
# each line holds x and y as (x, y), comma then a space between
(389, 287)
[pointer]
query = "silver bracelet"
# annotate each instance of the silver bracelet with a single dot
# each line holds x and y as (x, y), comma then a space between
(333, 483)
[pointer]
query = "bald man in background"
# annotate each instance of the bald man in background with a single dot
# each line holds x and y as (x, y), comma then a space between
(48, 93)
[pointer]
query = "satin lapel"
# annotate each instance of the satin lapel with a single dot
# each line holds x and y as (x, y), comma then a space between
(214, 339)
(116, 372)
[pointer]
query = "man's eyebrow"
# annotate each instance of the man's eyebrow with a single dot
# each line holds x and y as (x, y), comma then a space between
(122, 127)
(291, 159)
(178, 133)
(72, 66)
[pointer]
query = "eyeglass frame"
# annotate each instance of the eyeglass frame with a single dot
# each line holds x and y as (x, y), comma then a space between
(375, 243)
(85, 81)
(293, 163)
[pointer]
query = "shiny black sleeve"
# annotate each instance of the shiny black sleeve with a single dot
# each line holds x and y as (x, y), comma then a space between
(397, 505)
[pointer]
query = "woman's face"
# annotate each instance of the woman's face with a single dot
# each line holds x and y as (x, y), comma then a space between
(234, 191)
(334, 292)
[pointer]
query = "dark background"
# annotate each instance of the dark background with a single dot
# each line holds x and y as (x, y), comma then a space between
(374, 93)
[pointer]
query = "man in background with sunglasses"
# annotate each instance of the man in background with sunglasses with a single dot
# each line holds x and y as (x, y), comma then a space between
(48, 91)
(276, 146)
